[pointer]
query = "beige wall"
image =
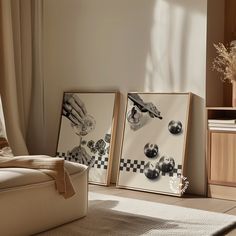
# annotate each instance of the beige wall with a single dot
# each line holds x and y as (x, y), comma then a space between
(126, 45)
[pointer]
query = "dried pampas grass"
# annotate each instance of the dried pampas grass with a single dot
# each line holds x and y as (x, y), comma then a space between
(225, 62)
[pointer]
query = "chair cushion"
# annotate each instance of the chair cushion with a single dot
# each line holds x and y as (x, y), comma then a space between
(16, 177)
(33, 208)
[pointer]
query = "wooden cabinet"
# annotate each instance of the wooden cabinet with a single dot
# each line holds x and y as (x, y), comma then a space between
(221, 156)
(221, 145)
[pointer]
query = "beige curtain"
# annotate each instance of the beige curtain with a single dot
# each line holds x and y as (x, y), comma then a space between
(16, 69)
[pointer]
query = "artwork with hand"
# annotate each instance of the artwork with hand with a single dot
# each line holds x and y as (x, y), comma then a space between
(154, 141)
(86, 131)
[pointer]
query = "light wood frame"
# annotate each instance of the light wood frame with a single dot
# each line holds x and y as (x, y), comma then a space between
(184, 157)
(105, 173)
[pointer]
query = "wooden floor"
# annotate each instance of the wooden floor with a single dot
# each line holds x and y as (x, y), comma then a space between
(208, 204)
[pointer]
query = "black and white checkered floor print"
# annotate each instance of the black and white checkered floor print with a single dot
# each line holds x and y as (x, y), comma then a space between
(100, 162)
(138, 167)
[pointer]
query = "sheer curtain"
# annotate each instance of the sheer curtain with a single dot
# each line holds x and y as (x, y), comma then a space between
(18, 67)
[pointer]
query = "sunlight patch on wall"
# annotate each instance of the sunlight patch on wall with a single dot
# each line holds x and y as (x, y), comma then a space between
(177, 52)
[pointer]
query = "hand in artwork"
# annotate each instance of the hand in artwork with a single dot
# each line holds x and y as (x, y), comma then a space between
(74, 109)
(81, 156)
(145, 106)
(152, 110)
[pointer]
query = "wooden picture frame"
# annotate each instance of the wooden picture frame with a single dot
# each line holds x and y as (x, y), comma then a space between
(153, 153)
(5, 149)
(87, 132)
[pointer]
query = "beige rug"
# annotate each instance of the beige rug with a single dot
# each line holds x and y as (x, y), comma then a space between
(111, 215)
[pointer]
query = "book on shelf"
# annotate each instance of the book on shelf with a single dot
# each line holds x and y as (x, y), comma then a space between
(221, 121)
(222, 125)
(223, 128)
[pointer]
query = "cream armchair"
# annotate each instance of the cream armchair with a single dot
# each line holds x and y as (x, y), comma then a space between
(29, 202)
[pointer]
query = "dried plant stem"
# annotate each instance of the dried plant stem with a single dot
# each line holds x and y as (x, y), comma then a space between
(225, 62)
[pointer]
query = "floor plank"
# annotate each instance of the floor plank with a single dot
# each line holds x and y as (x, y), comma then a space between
(197, 202)
(232, 211)
(153, 197)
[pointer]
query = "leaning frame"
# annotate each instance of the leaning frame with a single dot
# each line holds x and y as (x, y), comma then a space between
(93, 147)
(136, 158)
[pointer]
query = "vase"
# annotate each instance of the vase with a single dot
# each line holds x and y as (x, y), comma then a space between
(233, 93)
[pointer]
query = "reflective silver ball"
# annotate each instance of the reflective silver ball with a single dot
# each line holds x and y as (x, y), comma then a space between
(150, 150)
(166, 164)
(175, 127)
(151, 171)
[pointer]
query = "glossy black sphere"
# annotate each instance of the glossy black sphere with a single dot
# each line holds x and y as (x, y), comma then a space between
(151, 150)
(175, 127)
(151, 171)
(166, 164)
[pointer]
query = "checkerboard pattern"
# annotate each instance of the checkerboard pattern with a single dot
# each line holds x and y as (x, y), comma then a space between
(177, 172)
(61, 154)
(132, 165)
(138, 167)
(99, 162)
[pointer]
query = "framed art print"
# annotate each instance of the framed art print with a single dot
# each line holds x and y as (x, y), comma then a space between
(87, 132)
(154, 142)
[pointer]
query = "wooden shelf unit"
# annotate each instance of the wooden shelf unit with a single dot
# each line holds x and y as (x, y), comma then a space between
(221, 156)
(221, 145)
